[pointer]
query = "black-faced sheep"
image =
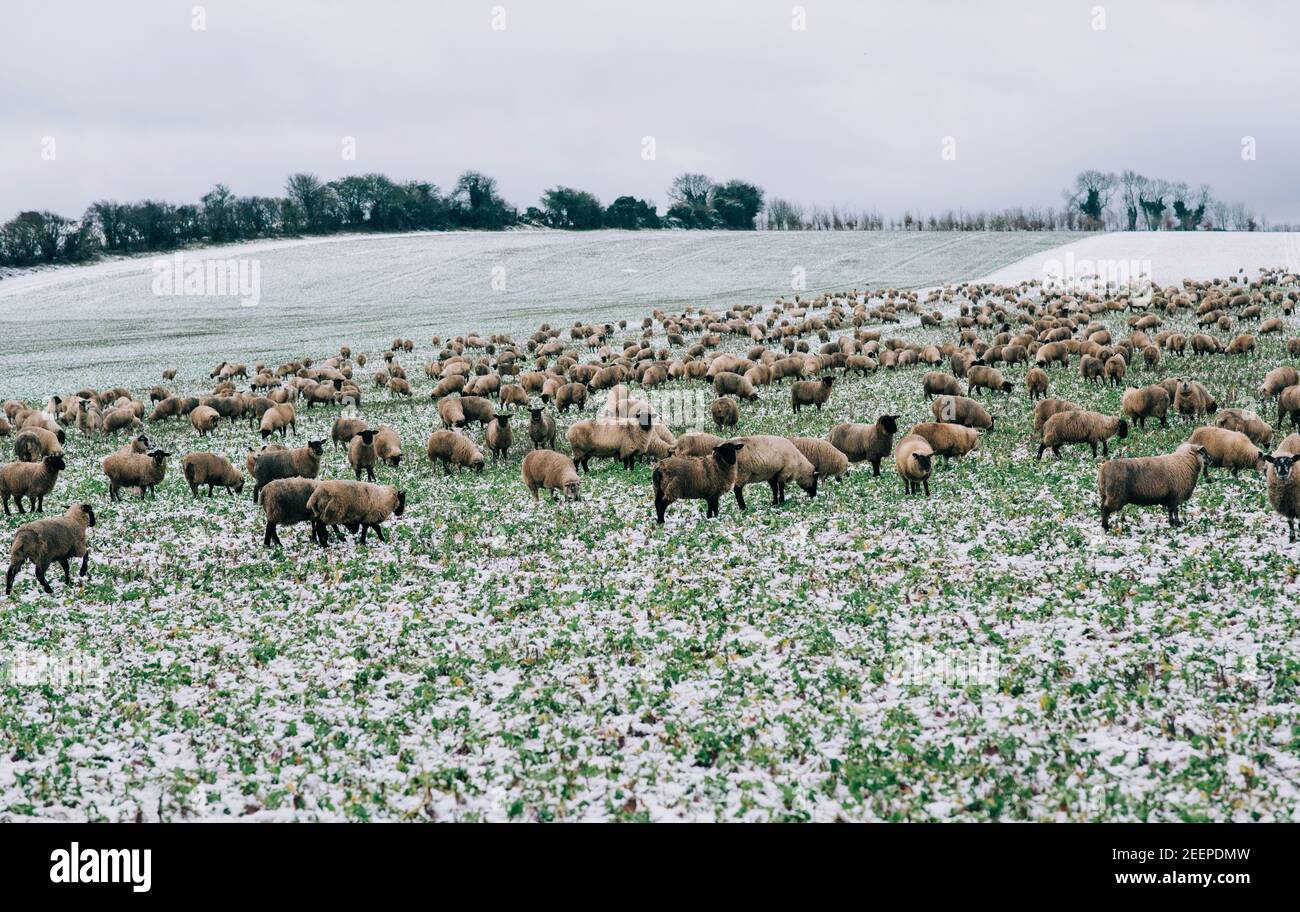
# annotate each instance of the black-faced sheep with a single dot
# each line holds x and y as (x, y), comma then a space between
(866, 442)
(126, 469)
(550, 471)
(1227, 449)
(810, 392)
(775, 460)
(1150, 481)
(213, 470)
(704, 478)
(49, 541)
(355, 504)
(1147, 402)
(32, 480)
(303, 462)
(914, 461)
(453, 448)
(1091, 428)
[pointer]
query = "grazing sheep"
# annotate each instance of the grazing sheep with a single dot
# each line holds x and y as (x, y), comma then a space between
(1081, 426)
(701, 443)
(213, 470)
(205, 419)
(398, 386)
(914, 461)
(946, 439)
(541, 429)
(826, 459)
(1091, 368)
(388, 446)
(499, 437)
(1151, 356)
(1144, 403)
(1192, 400)
(704, 478)
(49, 541)
(453, 448)
(32, 480)
(126, 469)
(1227, 449)
(344, 429)
(1284, 488)
(1290, 445)
(810, 392)
(1150, 481)
(729, 384)
(285, 503)
(775, 460)
(981, 376)
(961, 410)
(725, 412)
(303, 462)
(937, 383)
(451, 413)
(1242, 345)
(35, 443)
(353, 504)
(478, 408)
(1036, 383)
(574, 394)
(173, 407)
(361, 454)
(608, 438)
(1115, 368)
(552, 471)
(281, 418)
(1278, 379)
(1246, 422)
(866, 442)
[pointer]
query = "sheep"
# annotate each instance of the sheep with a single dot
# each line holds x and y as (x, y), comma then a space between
(810, 392)
(1115, 368)
(1081, 426)
(1091, 368)
(450, 448)
(1193, 400)
(1150, 481)
(574, 394)
(775, 460)
(126, 469)
(937, 383)
(35, 443)
(1290, 445)
(451, 413)
(541, 429)
(49, 541)
(914, 461)
(1241, 345)
(1246, 422)
(961, 410)
(981, 376)
(1036, 383)
(552, 471)
(1147, 402)
(118, 419)
(499, 437)
(285, 503)
(725, 412)
(729, 384)
(32, 480)
(1278, 379)
(1227, 449)
(478, 408)
(89, 420)
(1150, 356)
(610, 437)
(213, 470)
(205, 419)
(303, 462)
(866, 442)
(281, 418)
(388, 446)
(946, 439)
(700, 443)
(826, 459)
(361, 454)
(704, 478)
(344, 429)
(1284, 488)
(353, 504)
(398, 386)
(173, 407)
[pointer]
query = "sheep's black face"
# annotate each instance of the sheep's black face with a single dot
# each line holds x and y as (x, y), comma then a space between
(726, 452)
(644, 420)
(827, 381)
(536, 413)
(367, 437)
(316, 446)
(395, 461)
(922, 460)
(401, 504)
(1123, 429)
(159, 456)
(55, 463)
(889, 423)
(1281, 465)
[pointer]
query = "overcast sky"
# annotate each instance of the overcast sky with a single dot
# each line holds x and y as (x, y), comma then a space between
(851, 109)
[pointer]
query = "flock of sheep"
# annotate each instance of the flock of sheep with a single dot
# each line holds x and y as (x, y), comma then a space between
(477, 380)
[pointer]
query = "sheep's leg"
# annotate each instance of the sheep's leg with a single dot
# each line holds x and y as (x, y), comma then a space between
(40, 578)
(713, 508)
(67, 571)
(270, 534)
(740, 496)
(1105, 520)
(661, 507)
(1041, 447)
(5, 498)
(1056, 451)
(9, 577)
(776, 490)
(85, 564)
(1094, 449)
(926, 482)
(19, 500)
(257, 488)
(210, 487)
(370, 473)
(1104, 449)
(379, 532)
(875, 468)
(364, 529)
(1290, 524)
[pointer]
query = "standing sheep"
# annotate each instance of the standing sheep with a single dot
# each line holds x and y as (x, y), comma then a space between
(810, 392)
(126, 469)
(268, 464)
(914, 461)
(825, 457)
(1284, 488)
(1227, 449)
(49, 541)
(285, 503)
(499, 437)
(704, 478)
(354, 504)
(1150, 481)
(541, 429)
(32, 480)
(1036, 383)
(1091, 428)
(552, 471)
(213, 470)
(1147, 402)
(451, 447)
(776, 461)
(866, 442)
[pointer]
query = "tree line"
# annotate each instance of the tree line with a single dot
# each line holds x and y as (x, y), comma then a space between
(374, 202)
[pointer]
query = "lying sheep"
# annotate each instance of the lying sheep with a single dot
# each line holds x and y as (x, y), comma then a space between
(866, 442)
(1091, 428)
(1150, 481)
(778, 462)
(1245, 422)
(1284, 488)
(126, 469)
(541, 429)
(1227, 449)
(213, 470)
(704, 478)
(32, 480)
(355, 504)
(826, 459)
(49, 541)
(961, 410)
(951, 441)
(552, 471)
(1147, 402)
(610, 438)
(810, 392)
(303, 462)
(452, 448)
(914, 461)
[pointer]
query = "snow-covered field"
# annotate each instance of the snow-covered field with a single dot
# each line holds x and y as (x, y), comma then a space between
(983, 654)
(103, 325)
